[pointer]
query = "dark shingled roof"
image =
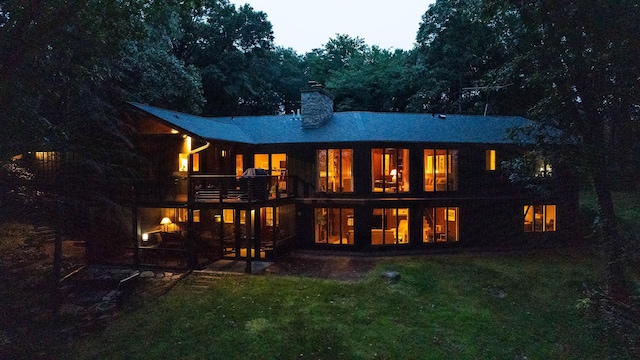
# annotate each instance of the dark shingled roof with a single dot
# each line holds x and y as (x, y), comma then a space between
(357, 126)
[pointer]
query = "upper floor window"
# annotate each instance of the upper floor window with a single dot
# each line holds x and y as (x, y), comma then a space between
(440, 170)
(390, 170)
(239, 165)
(335, 170)
(276, 166)
(537, 164)
(539, 218)
(183, 162)
(183, 157)
(273, 163)
(543, 168)
(490, 160)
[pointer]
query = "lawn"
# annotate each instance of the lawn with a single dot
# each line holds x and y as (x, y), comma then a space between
(464, 306)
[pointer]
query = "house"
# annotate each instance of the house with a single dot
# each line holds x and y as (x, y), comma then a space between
(349, 182)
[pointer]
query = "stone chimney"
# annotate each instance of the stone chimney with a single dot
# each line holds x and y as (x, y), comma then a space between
(316, 106)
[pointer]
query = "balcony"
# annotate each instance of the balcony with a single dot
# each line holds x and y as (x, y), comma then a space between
(216, 189)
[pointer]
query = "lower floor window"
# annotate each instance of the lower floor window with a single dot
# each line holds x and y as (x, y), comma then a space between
(440, 224)
(334, 226)
(539, 218)
(390, 226)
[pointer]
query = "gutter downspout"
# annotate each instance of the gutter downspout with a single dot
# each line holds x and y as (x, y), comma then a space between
(197, 150)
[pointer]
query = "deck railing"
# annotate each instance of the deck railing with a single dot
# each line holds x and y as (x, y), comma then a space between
(215, 188)
(229, 188)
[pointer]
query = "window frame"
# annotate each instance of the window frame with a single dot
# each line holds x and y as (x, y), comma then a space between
(448, 162)
(548, 218)
(343, 168)
(396, 212)
(431, 235)
(323, 227)
(490, 160)
(390, 156)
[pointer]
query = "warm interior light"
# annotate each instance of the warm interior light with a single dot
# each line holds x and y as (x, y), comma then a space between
(393, 174)
(165, 221)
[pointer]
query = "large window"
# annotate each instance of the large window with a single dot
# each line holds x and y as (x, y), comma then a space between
(539, 218)
(334, 226)
(440, 170)
(390, 170)
(335, 170)
(276, 165)
(390, 226)
(440, 224)
(275, 224)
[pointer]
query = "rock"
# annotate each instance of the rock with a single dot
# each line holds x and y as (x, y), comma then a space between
(391, 275)
(147, 274)
(495, 292)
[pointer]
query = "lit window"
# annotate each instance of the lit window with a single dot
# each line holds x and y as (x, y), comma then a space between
(543, 168)
(196, 162)
(48, 162)
(440, 170)
(540, 218)
(239, 165)
(227, 215)
(276, 165)
(334, 226)
(390, 226)
(335, 170)
(440, 224)
(390, 170)
(183, 162)
(490, 162)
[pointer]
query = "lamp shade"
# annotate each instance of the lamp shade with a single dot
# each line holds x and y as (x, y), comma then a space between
(165, 221)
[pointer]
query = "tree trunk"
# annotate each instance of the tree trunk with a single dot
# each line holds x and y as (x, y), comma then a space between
(617, 285)
(57, 264)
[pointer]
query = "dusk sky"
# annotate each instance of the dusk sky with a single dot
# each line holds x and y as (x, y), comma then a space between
(305, 25)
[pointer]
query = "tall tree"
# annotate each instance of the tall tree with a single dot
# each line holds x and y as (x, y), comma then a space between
(583, 58)
(360, 77)
(231, 47)
(150, 70)
(456, 48)
(56, 93)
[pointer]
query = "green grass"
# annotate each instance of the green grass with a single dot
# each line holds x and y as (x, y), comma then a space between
(627, 206)
(444, 307)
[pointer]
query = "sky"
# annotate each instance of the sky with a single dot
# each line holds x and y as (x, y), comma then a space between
(304, 25)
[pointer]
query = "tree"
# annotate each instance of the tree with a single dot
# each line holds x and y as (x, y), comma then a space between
(360, 77)
(57, 96)
(231, 48)
(586, 58)
(150, 70)
(456, 49)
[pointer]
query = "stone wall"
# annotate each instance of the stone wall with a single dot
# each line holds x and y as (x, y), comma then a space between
(316, 107)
